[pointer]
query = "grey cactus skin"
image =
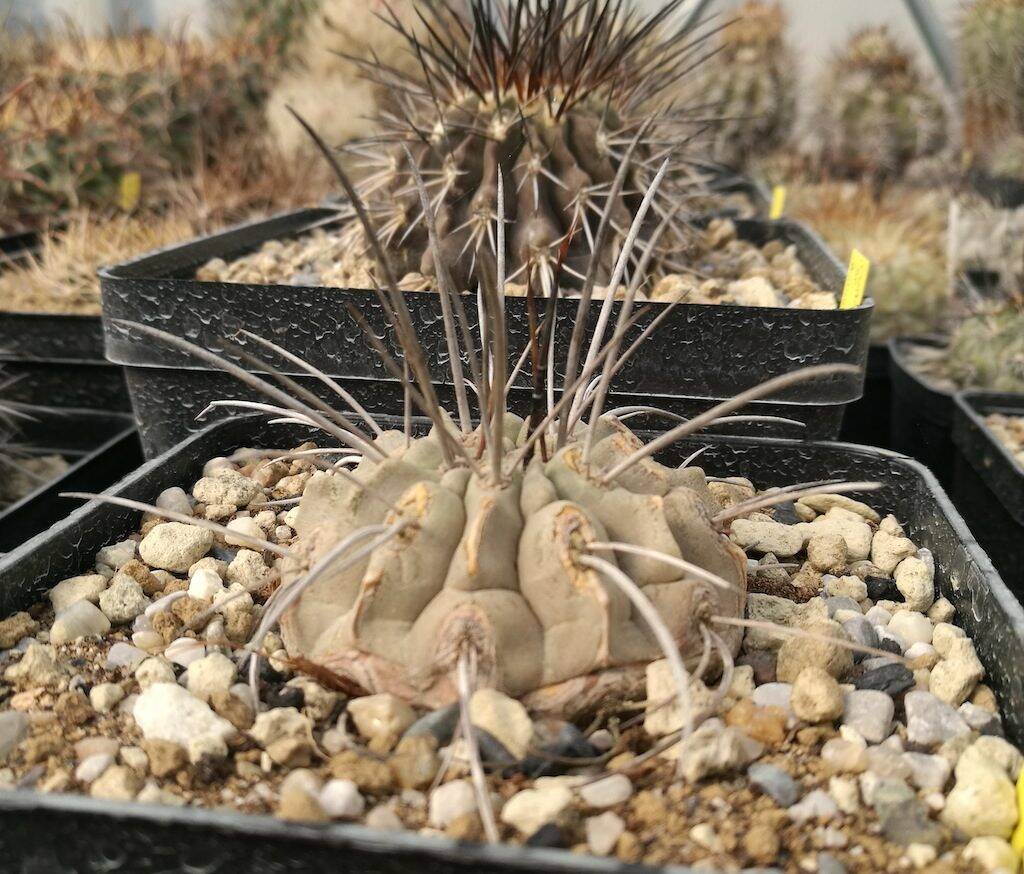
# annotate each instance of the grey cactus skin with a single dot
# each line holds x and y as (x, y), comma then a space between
(498, 566)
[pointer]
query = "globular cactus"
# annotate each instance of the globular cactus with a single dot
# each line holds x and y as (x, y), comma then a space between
(991, 43)
(273, 26)
(751, 83)
(904, 236)
(1006, 157)
(987, 349)
(88, 111)
(876, 113)
(546, 102)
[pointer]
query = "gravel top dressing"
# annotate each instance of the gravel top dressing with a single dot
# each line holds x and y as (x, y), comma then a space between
(721, 269)
(854, 731)
(1009, 430)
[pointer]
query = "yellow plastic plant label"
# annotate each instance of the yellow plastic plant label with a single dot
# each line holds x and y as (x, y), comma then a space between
(1017, 838)
(778, 202)
(856, 281)
(130, 191)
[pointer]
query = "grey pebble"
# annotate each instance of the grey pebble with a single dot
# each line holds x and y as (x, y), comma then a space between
(860, 631)
(774, 782)
(892, 679)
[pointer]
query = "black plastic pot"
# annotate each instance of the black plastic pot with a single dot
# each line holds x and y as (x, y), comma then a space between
(100, 447)
(57, 359)
(989, 482)
(1005, 192)
(726, 180)
(869, 419)
(97, 835)
(699, 354)
(922, 415)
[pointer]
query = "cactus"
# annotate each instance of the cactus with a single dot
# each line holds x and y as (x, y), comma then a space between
(548, 98)
(273, 26)
(752, 84)
(90, 110)
(903, 234)
(1006, 157)
(876, 112)
(991, 43)
(987, 349)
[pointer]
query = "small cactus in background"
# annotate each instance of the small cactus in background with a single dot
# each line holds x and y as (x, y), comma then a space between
(273, 26)
(751, 83)
(544, 103)
(987, 349)
(876, 112)
(991, 43)
(87, 111)
(903, 234)
(1006, 157)
(62, 278)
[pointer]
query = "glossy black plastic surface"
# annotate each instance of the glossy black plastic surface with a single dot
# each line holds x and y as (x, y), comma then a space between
(100, 448)
(700, 353)
(989, 482)
(922, 415)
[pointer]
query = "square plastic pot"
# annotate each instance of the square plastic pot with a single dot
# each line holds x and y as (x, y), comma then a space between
(58, 360)
(988, 484)
(99, 836)
(700, 354)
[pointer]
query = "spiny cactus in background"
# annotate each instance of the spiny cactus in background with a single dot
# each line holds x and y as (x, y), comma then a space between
(876, 112)
(325, 86)
(87, 111)
(273, 26)
(903, 233)
(987, 348)
(1005, 157)
(751, 83)
(991, 42)
(552, 107)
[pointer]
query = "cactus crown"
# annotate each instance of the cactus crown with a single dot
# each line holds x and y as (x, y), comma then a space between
(992, 62)
(986, 350)
(752, 84)
(548, 97)
(876, 114)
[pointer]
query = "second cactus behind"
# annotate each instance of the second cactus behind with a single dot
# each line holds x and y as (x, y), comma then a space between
(877, 113)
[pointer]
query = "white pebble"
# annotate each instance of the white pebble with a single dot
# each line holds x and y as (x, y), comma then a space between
(340, 799)
(607, 792)
(205, 585)
(93, 767)
(81, 619)
(184, 651)
(450, 801)
(175, 500)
